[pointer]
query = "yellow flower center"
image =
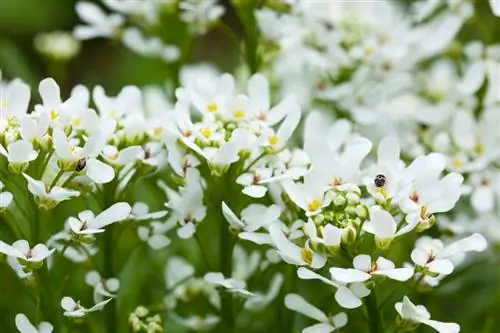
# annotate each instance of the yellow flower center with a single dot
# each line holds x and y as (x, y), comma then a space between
(479, 149)
(423, 213)
(314, 205)
(157, 131)
(53, 114)
(239, 114)
(206, 132)
(212, 107)
(306, 255)
(4, 103)
(273, 140)
(75, 121)
(457, 163)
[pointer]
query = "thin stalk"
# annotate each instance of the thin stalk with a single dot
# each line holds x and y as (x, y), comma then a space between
(58, 176)
(69, 179)
(376, 325)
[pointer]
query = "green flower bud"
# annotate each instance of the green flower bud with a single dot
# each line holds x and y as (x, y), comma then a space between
(383, 244)
(362, 212)
(339, 202)
(352, 199)
(329, 215)
(351, 210)
(349, 234)
(18, 167)
(318, 219)
(426, 224)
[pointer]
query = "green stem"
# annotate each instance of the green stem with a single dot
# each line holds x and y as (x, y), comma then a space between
(69, 179)
(225, 253)
(50, 308)
(374, 314)
(54, 182)
(203, 251)
(109, 199)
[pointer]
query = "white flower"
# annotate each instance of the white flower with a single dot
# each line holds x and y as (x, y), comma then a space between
(177, 270)
(87, 224)
(384, 179)
(24, 326)
(200, 14)
(383, 226)
(260, 301)
(121, 157)
(364, 269)
(70, 155)
(210, 97)
(5, 197)
(230, 284)
(327, 324)
(435, 257)
(128, 101)
(102, 287)
(99, 24)
(73, 309)
(29, 258)
(495, 7)
(19, 152)
(484, 191)
(187, 205)
(334, 149)
(329, 235)
(34, 127)
(57, 45)
(254, 182)
(292, 253)
(433, 196)
(477, 147)
(14, 100)
(46, 197)
(136, 41)
(310, 195)
(253, 217)
(140, 212)
(154, 234)
(59, 111)
(348, 296)
(197, 323)
(419, 314)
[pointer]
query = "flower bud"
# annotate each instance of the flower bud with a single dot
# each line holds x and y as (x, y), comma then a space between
(349, 234)
(339, 202)
(18, 167)
(383, 244)
(351, 210)
(318, 219)
(406, 325)
(329, 215)
(426, 224)
(352, 199)
(362, 212)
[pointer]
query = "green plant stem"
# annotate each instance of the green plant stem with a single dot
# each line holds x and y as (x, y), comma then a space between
(109, 199)
(225, 253)
(50, 303)
(374, 314)
(69, 179)
(58, 176)
(203, 251)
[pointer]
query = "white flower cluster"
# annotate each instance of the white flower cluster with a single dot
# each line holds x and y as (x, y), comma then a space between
(137, 23)
(398, 142)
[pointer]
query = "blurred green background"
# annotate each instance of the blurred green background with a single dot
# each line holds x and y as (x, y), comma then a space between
(100, 61)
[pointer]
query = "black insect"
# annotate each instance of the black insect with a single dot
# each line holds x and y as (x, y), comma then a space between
(81, 165)
(379, 180)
